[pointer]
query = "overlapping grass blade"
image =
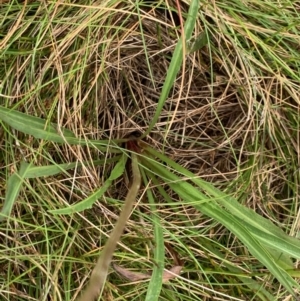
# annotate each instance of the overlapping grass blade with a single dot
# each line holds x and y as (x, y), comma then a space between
(90, 200)
(54, 169)
(224, 199)
(155, 284)
(213, 209)
(176, 62)
(41, 129)
(14, 185)
(247, 215)
(287, 245)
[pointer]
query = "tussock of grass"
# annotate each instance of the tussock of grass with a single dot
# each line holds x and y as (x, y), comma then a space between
(231, 118)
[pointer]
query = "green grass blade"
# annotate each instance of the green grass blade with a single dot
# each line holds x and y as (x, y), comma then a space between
(247, 215)
(89, 201)
(155, 284)
(14, 184)
(225, 200)
(176, 62)
(255, 221)
(255, 285)
(289, 245)
(54, 169)
(41, 129)
(34, 126)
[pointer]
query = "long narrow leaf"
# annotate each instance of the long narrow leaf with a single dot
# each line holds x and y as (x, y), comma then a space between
(289, 245)
(225, 200)
(41, 129)
(247, 215)
(155, 284)
(54, 169)
(89, 201)
(176, 62)
(14, 184)
(280, 247)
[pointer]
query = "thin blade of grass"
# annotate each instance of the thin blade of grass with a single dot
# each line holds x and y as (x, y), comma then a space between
(41, 129)
(90, 200)
(156, 281)
(249, 217)
(176, 62)
(289, 245)
(54, 169)
(144, 42)
(14, 185)
(256, 285)
(224, 199)
(279, 252)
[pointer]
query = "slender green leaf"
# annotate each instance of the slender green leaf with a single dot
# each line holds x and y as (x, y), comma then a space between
(247, 215)
(288, 245)
(41, 129)
(34, 126)
(224, 199)
(256, 285)
(54, 169)
(281, 247)
(14, 184)
(155, 284)
(176, 62)
(90, 200)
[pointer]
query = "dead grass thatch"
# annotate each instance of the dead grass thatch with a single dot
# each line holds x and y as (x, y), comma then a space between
(97, 68)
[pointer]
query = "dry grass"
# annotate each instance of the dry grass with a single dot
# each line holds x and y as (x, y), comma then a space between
(97, 68)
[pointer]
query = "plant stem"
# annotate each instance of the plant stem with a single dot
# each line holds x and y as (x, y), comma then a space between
(100, 271)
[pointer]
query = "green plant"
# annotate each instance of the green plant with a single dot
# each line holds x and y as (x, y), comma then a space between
(161, 175)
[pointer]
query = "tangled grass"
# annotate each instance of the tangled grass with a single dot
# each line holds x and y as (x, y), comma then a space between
(232, 118)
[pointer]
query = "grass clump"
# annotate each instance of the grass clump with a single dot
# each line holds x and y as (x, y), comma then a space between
(219, 102)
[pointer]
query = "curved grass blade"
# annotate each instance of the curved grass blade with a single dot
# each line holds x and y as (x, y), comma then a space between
(156, 281)
(175, 62)
(247, 215)
(54, 169)
(255, 285)
(289, 245)
(224, 199)
(14, 184)
(41, 129)
(89, 201)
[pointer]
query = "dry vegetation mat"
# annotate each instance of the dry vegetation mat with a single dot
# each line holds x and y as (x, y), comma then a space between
(203, 98)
